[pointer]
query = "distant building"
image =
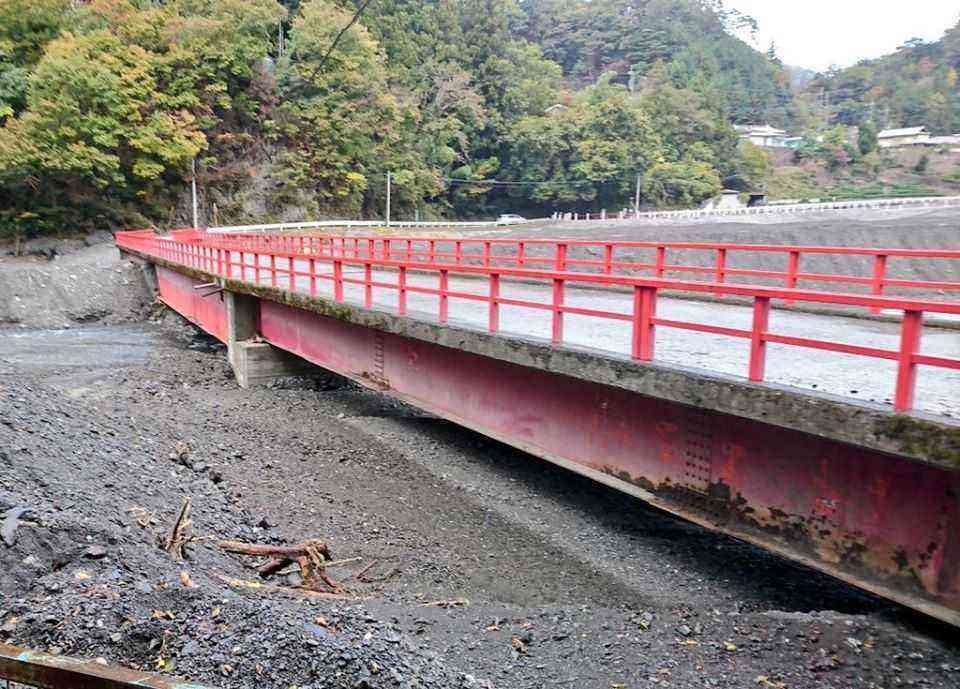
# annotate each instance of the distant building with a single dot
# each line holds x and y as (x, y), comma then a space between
(726, 200)
(953, 140)
(906, 136)
(763, 135)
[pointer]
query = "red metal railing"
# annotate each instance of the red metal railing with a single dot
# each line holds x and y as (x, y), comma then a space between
(292, 263)
(712, 261)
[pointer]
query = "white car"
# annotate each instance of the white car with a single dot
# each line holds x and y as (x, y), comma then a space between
(511, 219)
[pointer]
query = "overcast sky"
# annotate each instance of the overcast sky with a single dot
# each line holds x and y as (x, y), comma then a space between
(819, 33)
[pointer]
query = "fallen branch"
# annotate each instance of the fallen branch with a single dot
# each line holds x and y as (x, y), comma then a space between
(452, 603)
(312, 556)
(177, 537)
(269, 588)
(359, 575)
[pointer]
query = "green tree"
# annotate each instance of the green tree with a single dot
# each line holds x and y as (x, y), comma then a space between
(867, 138)
(684, 184)
(94, 131)
(585, 155)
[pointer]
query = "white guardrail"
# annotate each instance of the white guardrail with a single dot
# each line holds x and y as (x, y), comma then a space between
(603, 216)
(348, 223)
(919, 202)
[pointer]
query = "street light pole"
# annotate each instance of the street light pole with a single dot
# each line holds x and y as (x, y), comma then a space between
(193, 192)
(388, 199)
(636, 198)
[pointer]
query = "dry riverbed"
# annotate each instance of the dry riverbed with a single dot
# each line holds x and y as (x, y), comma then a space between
(484, 566)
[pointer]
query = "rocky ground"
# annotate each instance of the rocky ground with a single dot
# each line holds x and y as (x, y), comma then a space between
(486, 567)
(63, 283)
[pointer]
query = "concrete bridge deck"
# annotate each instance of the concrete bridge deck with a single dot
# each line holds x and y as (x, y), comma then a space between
(844, 375)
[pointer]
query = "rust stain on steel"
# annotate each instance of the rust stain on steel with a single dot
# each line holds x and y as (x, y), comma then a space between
(37, 669)
(819, 536)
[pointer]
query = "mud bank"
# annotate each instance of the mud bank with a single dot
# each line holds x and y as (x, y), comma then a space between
(90, 285)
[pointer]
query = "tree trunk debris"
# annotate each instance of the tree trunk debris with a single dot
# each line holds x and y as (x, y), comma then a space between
(313, 557)
(177, 537)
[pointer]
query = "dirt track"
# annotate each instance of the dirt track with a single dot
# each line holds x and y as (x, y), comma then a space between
(597, 590)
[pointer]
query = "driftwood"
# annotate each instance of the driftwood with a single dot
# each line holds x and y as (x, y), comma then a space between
(177, 536)
(312, 556)
(268, 588)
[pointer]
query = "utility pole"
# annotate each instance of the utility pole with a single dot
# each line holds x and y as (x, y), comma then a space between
(388, 199)
(193, 190)
(636, 197)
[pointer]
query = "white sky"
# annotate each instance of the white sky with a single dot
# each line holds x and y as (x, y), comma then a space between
(819, 33)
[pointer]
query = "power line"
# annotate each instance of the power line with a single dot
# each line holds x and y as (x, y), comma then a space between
(522, 183)
(326, 55)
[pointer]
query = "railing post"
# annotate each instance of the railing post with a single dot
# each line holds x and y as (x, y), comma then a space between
(338, 280)
(661, 260)
(607, 259)
(721, 272)
(561, 260)
(557, 325)
(256, 268)
(486, 254)
(273, 270)
(402, 291)
(367, 285)
(793, 267)
(444, 299)
(910, 332)
(243, 266)
(458, 252)
(432, 251)
(879, 277)
(494, 321)
(758, 342)
(313, 276)
(219, 261)
(371, 247)
(644, 328)
(521, 254)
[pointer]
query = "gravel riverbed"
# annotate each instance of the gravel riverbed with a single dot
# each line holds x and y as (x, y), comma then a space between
(490, 568)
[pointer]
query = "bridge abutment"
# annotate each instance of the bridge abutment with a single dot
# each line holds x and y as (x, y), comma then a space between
(254, 361)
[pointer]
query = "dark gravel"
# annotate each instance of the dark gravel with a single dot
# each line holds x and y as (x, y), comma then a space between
(492, 568)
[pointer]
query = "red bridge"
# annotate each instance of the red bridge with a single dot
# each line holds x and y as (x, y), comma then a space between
(552, 347)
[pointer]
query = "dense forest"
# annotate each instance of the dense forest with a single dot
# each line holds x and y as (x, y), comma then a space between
(915, 86)
(298, 109)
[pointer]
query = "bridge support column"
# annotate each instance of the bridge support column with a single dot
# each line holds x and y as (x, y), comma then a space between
(255, 362)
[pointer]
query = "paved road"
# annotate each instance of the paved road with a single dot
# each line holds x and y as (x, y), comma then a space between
(867, 379)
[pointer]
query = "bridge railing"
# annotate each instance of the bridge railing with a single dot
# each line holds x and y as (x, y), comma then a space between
(292, 266)
(710, 262)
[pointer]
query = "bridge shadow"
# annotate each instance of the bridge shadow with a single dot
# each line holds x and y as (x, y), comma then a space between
(758, 579)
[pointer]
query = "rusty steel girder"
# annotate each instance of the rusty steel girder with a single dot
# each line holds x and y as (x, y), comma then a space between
(36, 669)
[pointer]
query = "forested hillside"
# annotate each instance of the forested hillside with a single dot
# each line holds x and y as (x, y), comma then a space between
(293, 109)
(916, 86)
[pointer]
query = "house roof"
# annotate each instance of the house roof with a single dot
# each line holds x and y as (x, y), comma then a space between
(906, 131)
(759, 130)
